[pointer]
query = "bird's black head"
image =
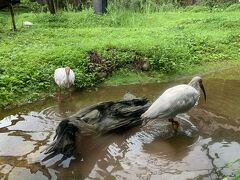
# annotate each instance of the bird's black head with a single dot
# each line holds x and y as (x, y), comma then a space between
(197, 80)
(67, 70)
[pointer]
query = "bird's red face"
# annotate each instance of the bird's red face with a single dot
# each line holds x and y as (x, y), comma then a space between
(67, 70)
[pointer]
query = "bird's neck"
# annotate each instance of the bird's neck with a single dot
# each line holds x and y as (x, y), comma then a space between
(195, 85)
(67, 76)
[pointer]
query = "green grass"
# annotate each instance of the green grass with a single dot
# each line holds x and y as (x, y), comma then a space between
(174, 42)
(126, 76)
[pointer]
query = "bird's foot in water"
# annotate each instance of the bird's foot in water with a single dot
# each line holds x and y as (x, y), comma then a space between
(175, 125)
(58, 95)
(70, 95)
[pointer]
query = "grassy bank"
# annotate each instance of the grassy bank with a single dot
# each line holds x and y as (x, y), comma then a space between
(95, 47)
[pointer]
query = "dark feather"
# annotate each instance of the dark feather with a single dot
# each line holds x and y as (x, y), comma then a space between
(101, 118)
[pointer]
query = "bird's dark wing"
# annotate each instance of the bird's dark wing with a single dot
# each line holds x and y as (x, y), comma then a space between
(100, 118)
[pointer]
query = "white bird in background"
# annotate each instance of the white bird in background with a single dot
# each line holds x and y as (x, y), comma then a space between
(64, 78)
(176, 100)
(27, 23)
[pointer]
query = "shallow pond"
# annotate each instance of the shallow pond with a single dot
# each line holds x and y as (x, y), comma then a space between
(135, 154)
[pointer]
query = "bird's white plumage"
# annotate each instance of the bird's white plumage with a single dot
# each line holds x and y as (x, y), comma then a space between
(60, 77)
(173, 101)
(27, 23)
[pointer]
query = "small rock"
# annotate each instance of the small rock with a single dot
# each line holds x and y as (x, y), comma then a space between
(128, 96)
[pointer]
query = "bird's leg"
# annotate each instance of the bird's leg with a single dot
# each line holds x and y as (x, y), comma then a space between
(68, 87)
(69, 93)
(175, 124)
(59, 94)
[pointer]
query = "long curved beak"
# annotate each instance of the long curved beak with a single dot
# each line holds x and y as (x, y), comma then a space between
(204, 93)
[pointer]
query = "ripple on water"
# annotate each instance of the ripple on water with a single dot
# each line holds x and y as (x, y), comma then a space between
(135, 154)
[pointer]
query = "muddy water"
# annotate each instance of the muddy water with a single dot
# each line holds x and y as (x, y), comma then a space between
(135, 154)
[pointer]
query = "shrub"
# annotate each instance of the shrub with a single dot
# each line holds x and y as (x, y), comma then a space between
(33, 6)
(233, 7)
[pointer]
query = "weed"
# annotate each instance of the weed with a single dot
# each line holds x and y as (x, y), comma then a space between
(95, 47)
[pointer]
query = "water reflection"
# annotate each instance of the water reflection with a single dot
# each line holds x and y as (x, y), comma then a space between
(135, 154)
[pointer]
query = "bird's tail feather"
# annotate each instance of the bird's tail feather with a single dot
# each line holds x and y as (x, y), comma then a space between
(64, 140)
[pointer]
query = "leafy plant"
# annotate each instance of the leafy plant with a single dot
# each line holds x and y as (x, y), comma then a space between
(96, 47)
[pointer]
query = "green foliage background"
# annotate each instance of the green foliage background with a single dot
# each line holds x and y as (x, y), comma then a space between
(170, 40)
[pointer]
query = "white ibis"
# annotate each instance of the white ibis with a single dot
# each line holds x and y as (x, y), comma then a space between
(27, 23)
(64, 77)
(175, 100)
